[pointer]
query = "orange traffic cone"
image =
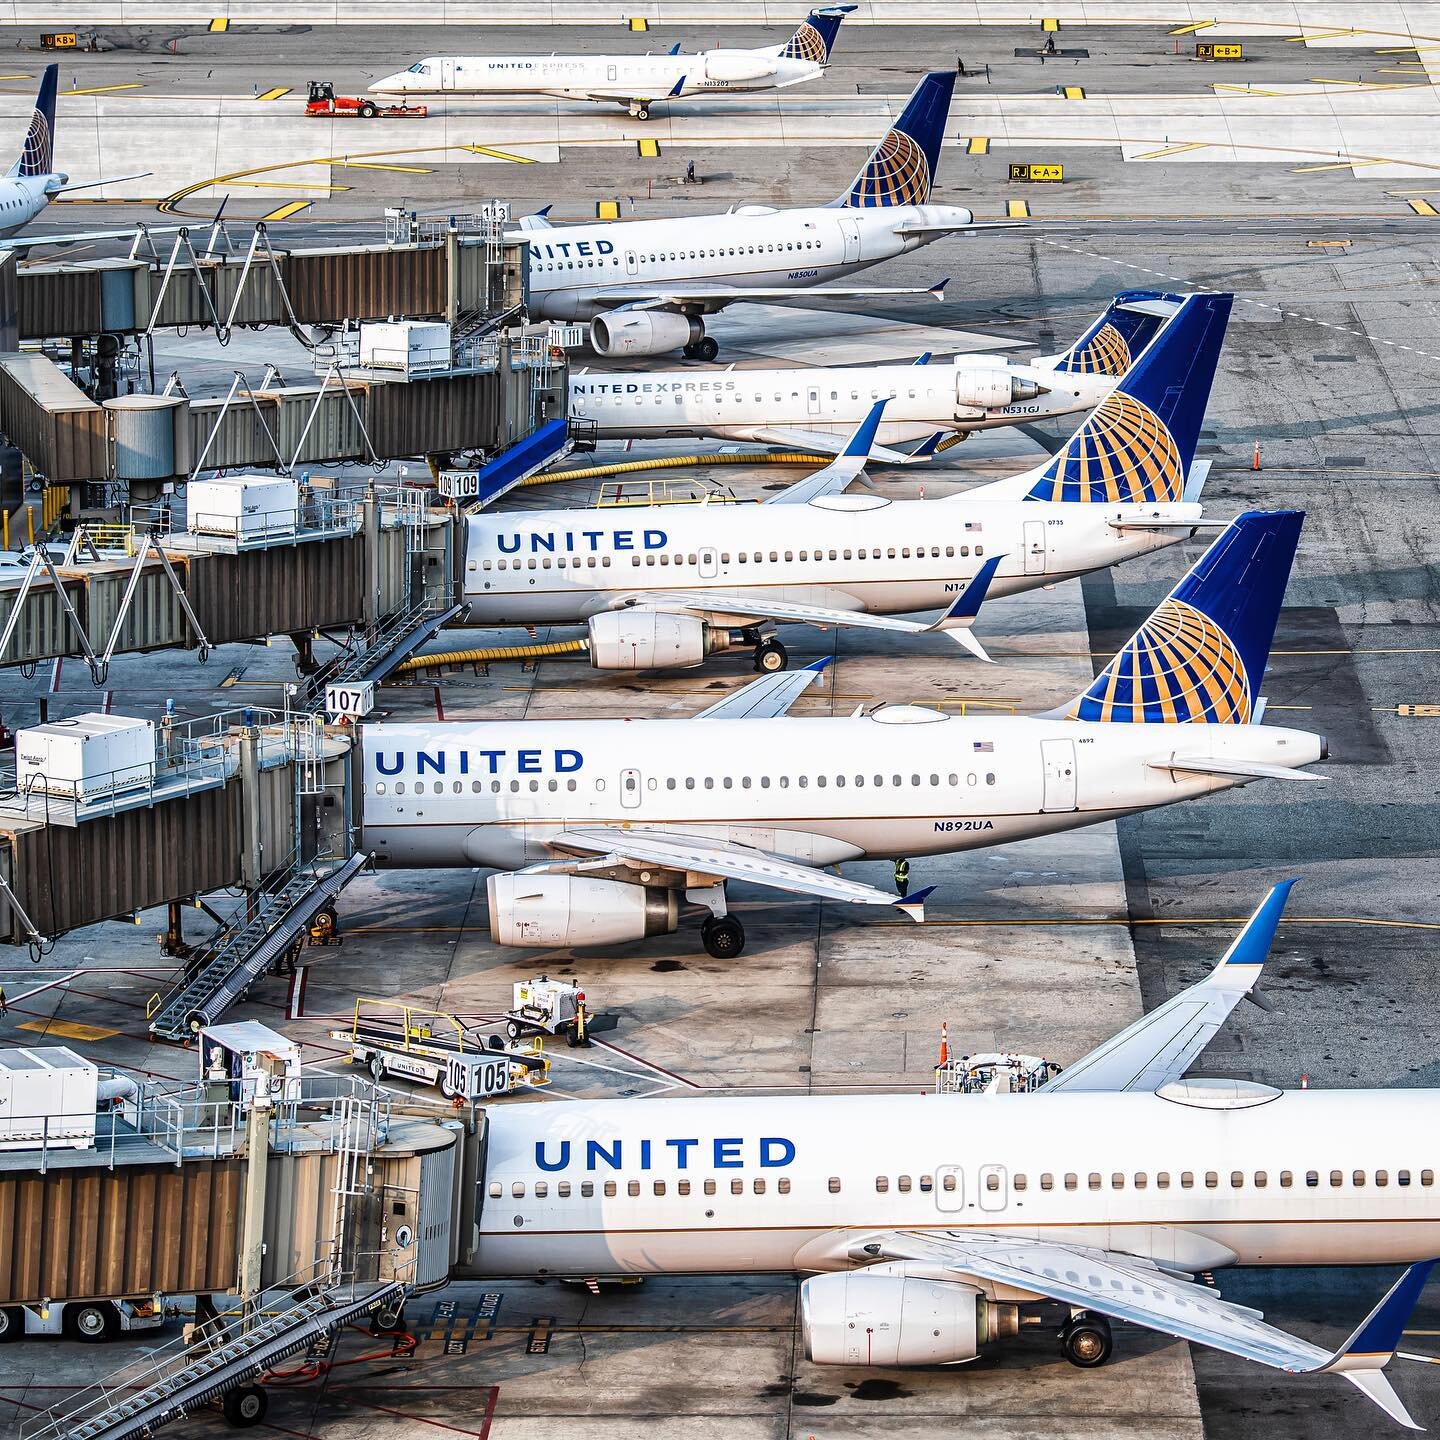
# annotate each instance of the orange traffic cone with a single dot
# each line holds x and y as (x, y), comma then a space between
(1255, 464)
(944, 1042)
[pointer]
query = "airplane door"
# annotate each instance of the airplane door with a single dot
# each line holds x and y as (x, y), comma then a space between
(708, 568)
(632, 263)
(949, 1188)
(851, 231)
(994, 1187)
(447, 74)
(630, 789)
(1034, 547)
(610, 74)
(1058, 758)
(812, 400)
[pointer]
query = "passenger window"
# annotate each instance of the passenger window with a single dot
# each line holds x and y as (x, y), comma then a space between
(682, 1187)
(1337, 1179)
(927, 1183)
(1139, 1181)
(782, 1185)
(587, 1189)
(1211, 1180)
(1047, 1181)
(1312, 1178)
(563, 1189)
(1187, 1179)
(1095, 1180)
(1427, 1177)
(541, 1189)
(1402, 1177)
(737, 1187)
(610, 1191)
(1072, 1181)
(1162, 1180)
(1382, 1177)
(632, 1189)
(496, 1189)
(1261, 1179)
(948, 1183)
(834, 1185)
(882, 1184)
(709, 1187)
(517, 1190)
(903, 1184)
(1237, 1179)
(1018, 1182)
(1117, 1181)
(1358, 1177)
(1286, 1180)
(759, 1187)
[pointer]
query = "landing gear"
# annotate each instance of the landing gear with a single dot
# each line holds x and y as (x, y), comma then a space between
(771, 656)
(1086, 1340)
(246, 1407)
(723, 937)
(639, 110)
(702, 349)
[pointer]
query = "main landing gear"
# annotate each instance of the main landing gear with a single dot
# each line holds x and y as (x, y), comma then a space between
(771, 656)
(702, 349)
(1085, 1340)
(639, 110)
(723, 937)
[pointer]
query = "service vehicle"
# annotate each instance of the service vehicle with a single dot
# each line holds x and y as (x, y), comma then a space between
(323, 101)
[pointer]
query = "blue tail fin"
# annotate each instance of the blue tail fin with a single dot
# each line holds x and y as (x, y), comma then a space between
(901, 168)
(37, 157)
(1139, 443)
(1110, 345)
(815, 38)
(1202, 653)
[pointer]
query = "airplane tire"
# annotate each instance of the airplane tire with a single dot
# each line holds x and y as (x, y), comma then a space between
(643, 113)
(377, 1068)
(707, 348)
(1086, 1341)
(723, 937)
(12, 1325)
(771, 657)
(367, 111)
(246, 1407)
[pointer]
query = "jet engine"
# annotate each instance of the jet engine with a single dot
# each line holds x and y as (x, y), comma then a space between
(643, 332)
(987, 387)
(735, 65)
(882, 1316)
(545, 910)
(650, 640)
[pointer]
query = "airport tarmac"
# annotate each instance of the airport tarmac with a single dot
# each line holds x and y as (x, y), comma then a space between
(1333, 366)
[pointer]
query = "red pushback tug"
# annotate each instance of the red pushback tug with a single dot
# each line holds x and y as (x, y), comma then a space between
(324, 101)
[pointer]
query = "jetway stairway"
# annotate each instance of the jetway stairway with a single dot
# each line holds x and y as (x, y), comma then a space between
(179, 1379)
(264, 927)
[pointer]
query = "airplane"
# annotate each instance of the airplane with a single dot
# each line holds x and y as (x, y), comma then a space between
(667, 585)
(598, 829)
(32, 182)
(815, 408)
(646, 286)
(931, 1227)
(635, 82)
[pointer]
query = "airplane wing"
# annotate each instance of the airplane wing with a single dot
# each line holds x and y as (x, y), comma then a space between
(85, 237)
(713, 297)
(767, 697)
(955, 622)
(1244, 769)
(1161, 1046)
(844, 470)
(1126, 1288)
(708, 860)
(796, 437)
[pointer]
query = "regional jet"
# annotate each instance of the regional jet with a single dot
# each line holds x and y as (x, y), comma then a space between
(667, 585)
(647, 285)
(598, 829)
(933, 1227)
(635, 82)
(815, 409)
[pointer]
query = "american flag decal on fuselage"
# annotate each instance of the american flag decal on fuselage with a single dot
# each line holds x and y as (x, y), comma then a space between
(1105, 353)
(1122, 454)
(1180, 666)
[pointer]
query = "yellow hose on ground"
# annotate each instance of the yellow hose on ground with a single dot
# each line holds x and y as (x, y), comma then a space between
(670, 462)
(494, 652)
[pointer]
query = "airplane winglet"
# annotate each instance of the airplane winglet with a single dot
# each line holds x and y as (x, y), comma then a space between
(922, 359)
(865, 431)
(966, 605)
(1252, 945)
(926, 449)
(914, 905)
(817, 666)
(674, 49)
(679, 86)
(938, 291)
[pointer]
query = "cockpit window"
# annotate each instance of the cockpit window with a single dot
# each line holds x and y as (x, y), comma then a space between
(418, 68)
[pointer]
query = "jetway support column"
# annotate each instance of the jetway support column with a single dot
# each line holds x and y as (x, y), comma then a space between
(371, 612)
(172, 942)
(252, 1227)
(252, 861)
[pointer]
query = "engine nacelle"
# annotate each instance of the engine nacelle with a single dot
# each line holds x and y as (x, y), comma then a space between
(987, 387)
(649, 640)
(882, 1316)
(736, 65)
(546, 910)
(643, 332)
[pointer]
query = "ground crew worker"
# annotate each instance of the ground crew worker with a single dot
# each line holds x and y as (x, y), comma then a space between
(960, 65)
(4, 1008)
(902, 877)
(1049, 44)
(690, 173)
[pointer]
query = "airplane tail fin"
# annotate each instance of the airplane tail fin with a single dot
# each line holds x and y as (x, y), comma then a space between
(37, 156)
(1201, 655)
(1138, 444)
(815, 38)
(1111, 344)
(901, 168)
(1363, 1357)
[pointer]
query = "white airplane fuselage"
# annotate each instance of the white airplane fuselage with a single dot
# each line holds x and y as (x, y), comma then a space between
(22, 198)
(850, 552)
(601, 77)
(973, 393)
(900, 781)
(573, 269)
(764, 1185)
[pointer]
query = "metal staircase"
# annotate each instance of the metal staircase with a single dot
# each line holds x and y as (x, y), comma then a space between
(179, 1379)
(257, 935)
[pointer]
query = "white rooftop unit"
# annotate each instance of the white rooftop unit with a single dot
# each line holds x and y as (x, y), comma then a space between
(86, 756)
(414, 347)
(245, 506)
(47, 1097)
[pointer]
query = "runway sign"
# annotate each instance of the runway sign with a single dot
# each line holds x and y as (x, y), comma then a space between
(1037, 174)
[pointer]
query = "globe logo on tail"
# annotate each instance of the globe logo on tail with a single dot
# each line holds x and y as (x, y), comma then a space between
(1180, 666)
(896, 174)
(1122, 454)
(1105, 353)
(35, 158)
(807, 43)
